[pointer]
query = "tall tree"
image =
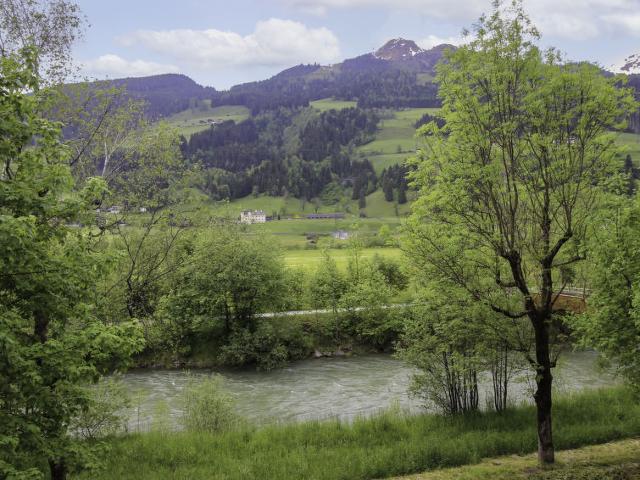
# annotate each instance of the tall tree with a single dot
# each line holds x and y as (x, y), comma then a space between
(508, 185)
(51, 26)
(51, 343)
(149, 185)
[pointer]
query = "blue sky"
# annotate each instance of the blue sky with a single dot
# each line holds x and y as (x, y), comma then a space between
(222, 43)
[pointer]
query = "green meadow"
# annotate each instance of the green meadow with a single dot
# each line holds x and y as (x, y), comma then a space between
(386, 445)
(198, 119)
(311, 259)
(395, 140)
(631, 142)
(332, 104)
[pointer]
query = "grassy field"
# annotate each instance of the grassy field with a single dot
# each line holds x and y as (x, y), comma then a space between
(390, 444)
(611, 461)
(195, 120)
(376, 207)
(331, 104)
(395, 140)
(632, 143)
(310, 259)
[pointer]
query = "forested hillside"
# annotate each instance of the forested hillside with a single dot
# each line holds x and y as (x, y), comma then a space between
(295, 151)
(287, 147)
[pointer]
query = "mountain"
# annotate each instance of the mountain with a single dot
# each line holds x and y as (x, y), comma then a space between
(164, 94)
(398, 74)
(631, 64)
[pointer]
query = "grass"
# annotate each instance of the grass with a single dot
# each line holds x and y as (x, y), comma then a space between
(332, 104)
(395, 139)
(292, 232)
(611, 461)
(386, 445)
(632, 142)
(311, 259)
(195, 120)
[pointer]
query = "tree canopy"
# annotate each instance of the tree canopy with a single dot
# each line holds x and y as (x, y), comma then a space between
(508, 185)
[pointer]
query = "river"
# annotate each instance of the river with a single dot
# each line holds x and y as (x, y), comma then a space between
(327, 388)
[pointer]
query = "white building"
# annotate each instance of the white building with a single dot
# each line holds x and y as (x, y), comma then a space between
(340, 235)
(253, 216)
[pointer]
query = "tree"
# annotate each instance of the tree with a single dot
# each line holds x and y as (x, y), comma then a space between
(366, 308)
(51, 342)
(451, 339)
(612, 322)
(402, 194)
(149, 184)
(632, 175)
(362, 201)
(327, 287)
(508, 185)
(51, 26)
(230, 277)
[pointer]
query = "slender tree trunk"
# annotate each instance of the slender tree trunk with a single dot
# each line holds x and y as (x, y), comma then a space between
(542, 395)
(58, 469)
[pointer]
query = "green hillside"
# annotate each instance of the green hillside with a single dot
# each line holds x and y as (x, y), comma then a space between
(395, 140)
(632, 142)
(331, 104)
(201, 117)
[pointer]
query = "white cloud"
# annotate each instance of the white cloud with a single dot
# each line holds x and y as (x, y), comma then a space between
(629, 23)
(274, 42)
(433, 40)
(576, 19)
(114, 66)
(436, 8)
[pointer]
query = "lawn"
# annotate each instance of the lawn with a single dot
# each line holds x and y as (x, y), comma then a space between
(610, 461)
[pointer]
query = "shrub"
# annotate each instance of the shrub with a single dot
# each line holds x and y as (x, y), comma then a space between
(105, 413)
(207, 407)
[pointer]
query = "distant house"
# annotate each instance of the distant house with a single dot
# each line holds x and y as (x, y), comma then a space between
(319, 216)
(340, 235)
(253, 216)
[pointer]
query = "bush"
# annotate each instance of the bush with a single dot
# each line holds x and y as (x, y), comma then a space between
(106, 411)
(207, 407)
(267, 348)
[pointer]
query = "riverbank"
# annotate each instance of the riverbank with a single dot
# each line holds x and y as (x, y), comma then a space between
(382, 446)
(611, 461)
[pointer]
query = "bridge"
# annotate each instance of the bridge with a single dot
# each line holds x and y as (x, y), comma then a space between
(572, 299)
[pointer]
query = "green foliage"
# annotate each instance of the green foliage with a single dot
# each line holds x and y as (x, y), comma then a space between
(509, 185)
(612, 322)
(51, 344)
(392, 272)
(104, 413)
(367, 313)
(227, 281)
(328, 284)
(207, 407)
(266, 347)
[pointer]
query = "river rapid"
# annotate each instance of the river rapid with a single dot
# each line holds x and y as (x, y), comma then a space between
(328, 388)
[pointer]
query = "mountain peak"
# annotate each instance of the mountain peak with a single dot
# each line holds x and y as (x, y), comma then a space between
(398, 49)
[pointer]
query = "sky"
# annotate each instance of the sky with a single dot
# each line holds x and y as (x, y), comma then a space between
(224, 43)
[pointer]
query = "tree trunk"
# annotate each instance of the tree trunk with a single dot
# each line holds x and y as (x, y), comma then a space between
(58, 469)
(542, 395)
